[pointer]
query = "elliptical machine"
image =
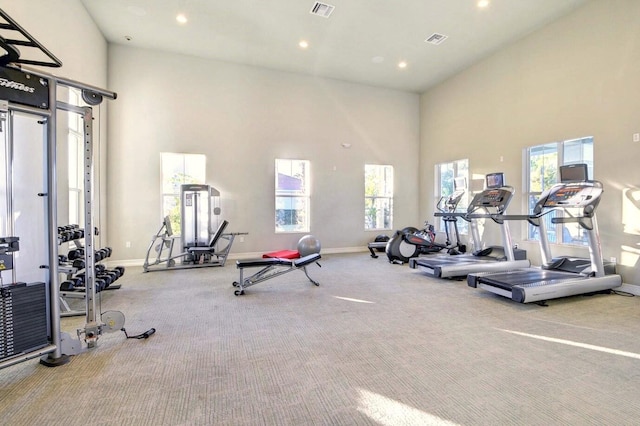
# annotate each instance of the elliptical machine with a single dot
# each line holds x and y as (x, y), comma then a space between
(412, 242)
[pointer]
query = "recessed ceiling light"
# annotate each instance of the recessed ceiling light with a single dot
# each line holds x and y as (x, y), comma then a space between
(402, 64)
(303, 44)
(181, 18)
(483, 3)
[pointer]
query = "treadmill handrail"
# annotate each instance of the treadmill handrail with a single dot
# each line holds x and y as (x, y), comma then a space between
(533, 219)
(452, 216)
(585, 222)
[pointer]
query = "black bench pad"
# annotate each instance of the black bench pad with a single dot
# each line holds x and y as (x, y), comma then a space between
(251, 263)
(303, 261)
(273, 261)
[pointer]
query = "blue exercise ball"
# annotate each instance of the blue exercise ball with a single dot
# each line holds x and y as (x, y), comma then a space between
(308, 245)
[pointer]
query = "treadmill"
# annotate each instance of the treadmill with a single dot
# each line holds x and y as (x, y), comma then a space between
(573, 194)
(490, 203)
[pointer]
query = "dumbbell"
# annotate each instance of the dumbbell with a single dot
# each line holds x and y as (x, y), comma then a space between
(120, 269)
(67, 286)
(78, 264)
(63, 237)
(78, 279)
(71, 284)
(104, 252)
(100, 284)
(116, 272)
(108, 279)
(76, 254)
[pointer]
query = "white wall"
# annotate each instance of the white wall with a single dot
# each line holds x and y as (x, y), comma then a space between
(68, 32)
(65, 28)
(242, 118)
(576, 77)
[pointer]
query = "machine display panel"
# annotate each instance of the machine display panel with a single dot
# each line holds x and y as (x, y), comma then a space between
(575, 195)
(495, 180)
(574, 173)
(460, 183)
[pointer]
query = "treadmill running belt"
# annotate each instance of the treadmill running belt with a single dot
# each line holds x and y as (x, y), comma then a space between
(507, 280)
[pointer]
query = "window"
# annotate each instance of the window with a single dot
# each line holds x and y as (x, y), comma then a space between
(542, 173)
(378, 197)
(292, 195)
(178, 169)
(446, 174)
(75, 141)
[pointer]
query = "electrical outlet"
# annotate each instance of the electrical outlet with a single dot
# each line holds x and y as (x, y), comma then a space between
(128, 244)
(613, 259)
(241, 239)
(636, 137)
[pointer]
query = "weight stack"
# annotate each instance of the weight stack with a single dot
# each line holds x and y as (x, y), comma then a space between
(24, 320)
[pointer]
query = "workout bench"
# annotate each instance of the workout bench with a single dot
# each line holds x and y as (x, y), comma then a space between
(272, 267)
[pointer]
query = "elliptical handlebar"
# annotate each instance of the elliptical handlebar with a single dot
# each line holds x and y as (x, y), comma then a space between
(450, 202)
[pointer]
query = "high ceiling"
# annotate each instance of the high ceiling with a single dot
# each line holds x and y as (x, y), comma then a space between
(361, 41)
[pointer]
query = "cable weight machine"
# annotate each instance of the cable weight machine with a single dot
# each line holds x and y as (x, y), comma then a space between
(31, 96)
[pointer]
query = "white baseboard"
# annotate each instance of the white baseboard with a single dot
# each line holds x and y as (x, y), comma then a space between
(341, 250)
(629, 288)
(235, 256)
(125, 262)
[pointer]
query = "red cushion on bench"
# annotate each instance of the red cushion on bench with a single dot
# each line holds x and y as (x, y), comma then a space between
(283, 254)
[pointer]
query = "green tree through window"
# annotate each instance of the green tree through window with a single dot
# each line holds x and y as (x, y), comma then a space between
(543, 165)
(378, 197)
(179, 169)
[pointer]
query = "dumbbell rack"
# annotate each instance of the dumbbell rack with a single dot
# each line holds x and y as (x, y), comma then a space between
(71, 268)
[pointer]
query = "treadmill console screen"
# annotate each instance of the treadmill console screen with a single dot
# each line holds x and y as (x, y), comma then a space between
(573, 173)
(495, 180)
(496, 198)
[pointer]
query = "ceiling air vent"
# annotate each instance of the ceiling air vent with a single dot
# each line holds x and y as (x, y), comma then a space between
(436, 38)
(322, 9)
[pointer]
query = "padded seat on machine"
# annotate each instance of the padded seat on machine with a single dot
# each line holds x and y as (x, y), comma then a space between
(283, 254)
(254, 263)
(272, 267)
(212, 243)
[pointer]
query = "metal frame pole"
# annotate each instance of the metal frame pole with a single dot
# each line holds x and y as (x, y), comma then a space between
(50, 130)
(92, 328)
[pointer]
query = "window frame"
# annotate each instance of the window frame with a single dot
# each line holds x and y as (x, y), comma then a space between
(459, 168)
(181, 175)
(298, 197)
(378, 197)
(556, 233)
